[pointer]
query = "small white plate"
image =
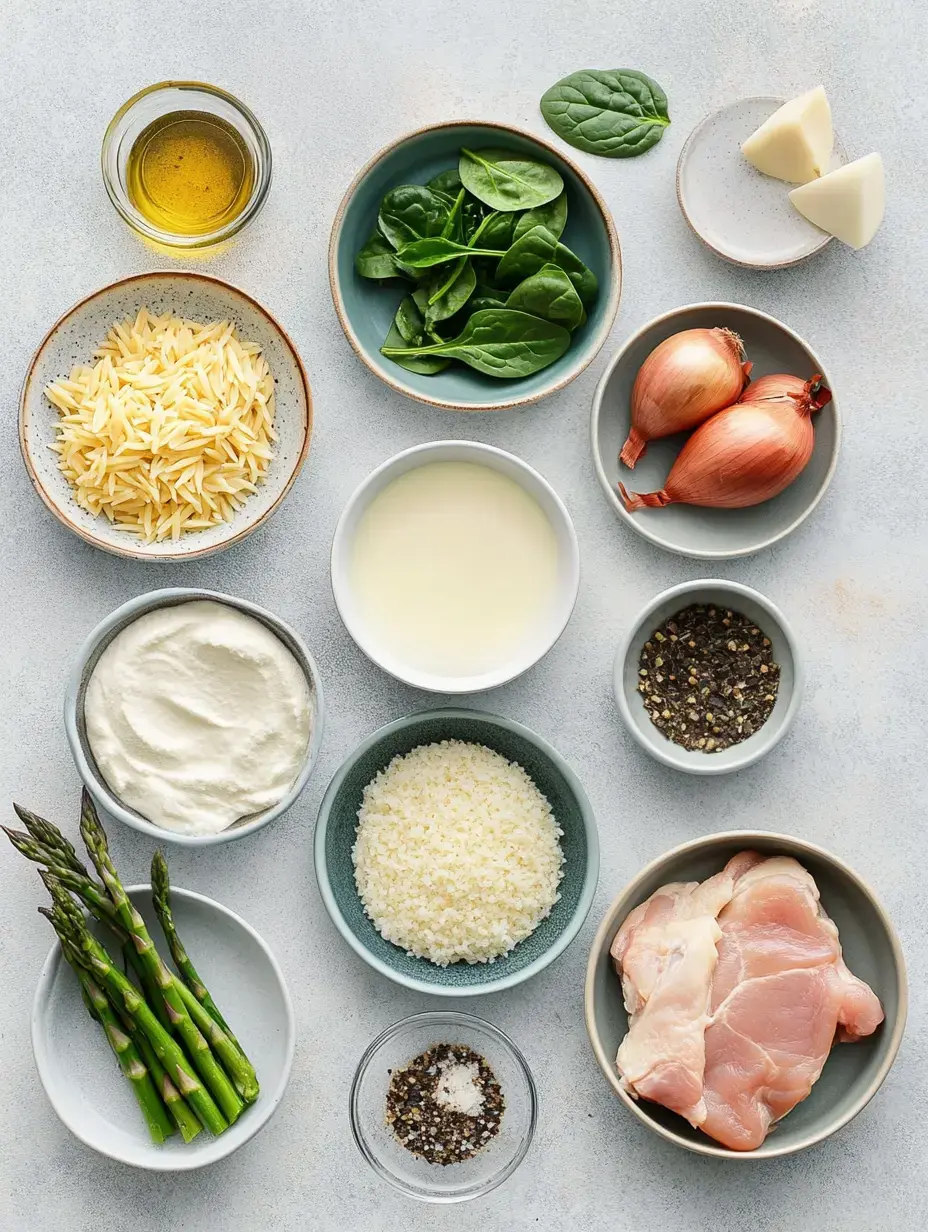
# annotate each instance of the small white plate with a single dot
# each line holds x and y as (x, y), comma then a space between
(743, 215)
(74, 338)
(82, 1078)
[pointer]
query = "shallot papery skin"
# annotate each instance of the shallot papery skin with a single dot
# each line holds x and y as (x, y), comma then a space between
(745, 454)
(685, 379)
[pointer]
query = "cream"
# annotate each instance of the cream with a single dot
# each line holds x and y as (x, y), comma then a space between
(198, 715)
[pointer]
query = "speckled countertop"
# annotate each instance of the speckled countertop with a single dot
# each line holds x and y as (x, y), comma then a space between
(332, 81)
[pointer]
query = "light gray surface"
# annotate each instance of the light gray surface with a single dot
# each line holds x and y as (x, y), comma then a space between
(332, 81)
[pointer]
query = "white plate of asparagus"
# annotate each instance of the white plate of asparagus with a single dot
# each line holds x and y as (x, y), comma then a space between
(162, 1027)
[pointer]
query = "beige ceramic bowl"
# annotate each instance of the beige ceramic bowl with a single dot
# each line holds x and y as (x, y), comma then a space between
(74, 338)
(853, 1073)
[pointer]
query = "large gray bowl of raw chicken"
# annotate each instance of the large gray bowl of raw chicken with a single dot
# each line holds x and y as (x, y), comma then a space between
(746, 995)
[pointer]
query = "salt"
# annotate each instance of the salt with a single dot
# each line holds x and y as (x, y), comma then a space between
(458, 1090)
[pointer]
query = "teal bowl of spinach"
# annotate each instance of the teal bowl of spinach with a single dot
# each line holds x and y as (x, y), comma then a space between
(474, 267)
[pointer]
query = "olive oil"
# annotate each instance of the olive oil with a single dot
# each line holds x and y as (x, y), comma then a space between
(190, 173)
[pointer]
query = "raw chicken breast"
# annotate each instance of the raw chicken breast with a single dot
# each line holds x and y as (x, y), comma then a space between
(780, 994)
(736, 990)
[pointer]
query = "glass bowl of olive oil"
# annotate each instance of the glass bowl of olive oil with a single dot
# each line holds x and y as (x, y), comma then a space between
(185, 164)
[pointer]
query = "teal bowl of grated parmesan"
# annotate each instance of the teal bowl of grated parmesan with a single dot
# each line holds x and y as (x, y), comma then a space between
(456, 852)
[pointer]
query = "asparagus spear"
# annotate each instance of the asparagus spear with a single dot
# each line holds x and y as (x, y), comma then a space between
(217, 1031)
(93, 896)
(151, 992)
(127, 1053)
(161, 897)
(208, 1067)
(183, 1116)
(50, 837)
(71, 929)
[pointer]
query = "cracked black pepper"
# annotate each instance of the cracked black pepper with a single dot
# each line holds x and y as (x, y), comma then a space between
(427, 1098)
(708, 678)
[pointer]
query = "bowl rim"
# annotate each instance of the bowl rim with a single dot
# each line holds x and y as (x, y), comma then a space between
(443, 1018)
(124, 615)
(429, 682)
(778, 101)
(177, 240)
(215, 1148)
(659, 540)
(590, 876)
(623, 902)
(595, 343)
(136, 553)
(664, 750)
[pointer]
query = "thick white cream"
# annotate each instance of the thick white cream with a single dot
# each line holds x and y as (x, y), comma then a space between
(198, 715)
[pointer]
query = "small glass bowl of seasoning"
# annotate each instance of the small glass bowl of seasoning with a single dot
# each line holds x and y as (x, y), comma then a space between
(186, 164)
(708, 679)
(443, 1106)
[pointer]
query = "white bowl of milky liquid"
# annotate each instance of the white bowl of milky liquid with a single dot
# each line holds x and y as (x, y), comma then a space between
(455, 566)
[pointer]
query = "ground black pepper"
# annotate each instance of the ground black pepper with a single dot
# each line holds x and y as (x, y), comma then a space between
(708, 678)
(431, 1129)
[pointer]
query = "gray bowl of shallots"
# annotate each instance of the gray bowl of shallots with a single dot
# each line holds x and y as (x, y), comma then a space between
(715, 431)
(746, 995)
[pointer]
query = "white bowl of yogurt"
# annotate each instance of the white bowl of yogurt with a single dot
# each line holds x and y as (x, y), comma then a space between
(455, 566)
(194, 716)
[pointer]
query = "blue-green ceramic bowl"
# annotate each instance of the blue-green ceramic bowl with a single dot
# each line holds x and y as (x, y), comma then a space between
(338, 821)
(366, 309)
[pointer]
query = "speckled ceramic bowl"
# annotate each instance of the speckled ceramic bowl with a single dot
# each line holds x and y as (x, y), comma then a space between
(76, 728)
(768, 618)
(853, 1073)
(366, 309)
(74, 338)
(337, 825)
(739, 213)
(710, 534)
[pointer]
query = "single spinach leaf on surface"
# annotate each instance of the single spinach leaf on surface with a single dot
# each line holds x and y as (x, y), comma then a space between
(499, 342)
(407, 332)
(617, 113)
(506, 181)
(549, 294)
(411, 212)
(553, 216)
(435, 250)
(377, 259)
(538, 248)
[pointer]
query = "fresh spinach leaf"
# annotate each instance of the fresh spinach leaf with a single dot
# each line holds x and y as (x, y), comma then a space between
(497, 231)
(506, 181)
(408, 333)
(376, 259)
(536, 249)
(421, 254)
(549, 294)
(617, 113)
(553, 216)
(447, 182)
(499, 342)
(453, 229)
(411, 212)
(446, 291)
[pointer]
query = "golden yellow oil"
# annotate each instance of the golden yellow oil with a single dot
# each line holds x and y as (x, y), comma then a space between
(190, 173)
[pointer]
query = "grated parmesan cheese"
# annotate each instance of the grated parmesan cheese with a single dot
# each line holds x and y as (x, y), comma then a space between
(456, 854)
(170, 429)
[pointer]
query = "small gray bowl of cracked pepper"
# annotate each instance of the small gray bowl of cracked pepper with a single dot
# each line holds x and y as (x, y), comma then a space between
(708, 678)
(443, 1106)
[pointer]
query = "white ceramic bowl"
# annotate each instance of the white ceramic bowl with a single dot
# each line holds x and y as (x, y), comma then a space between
(768, 618)
(536, 646)
(74, 338)
(80, 1075)
(76, 731)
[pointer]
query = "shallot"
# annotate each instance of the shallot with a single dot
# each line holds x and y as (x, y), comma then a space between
(684, 380)
(745, 454)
